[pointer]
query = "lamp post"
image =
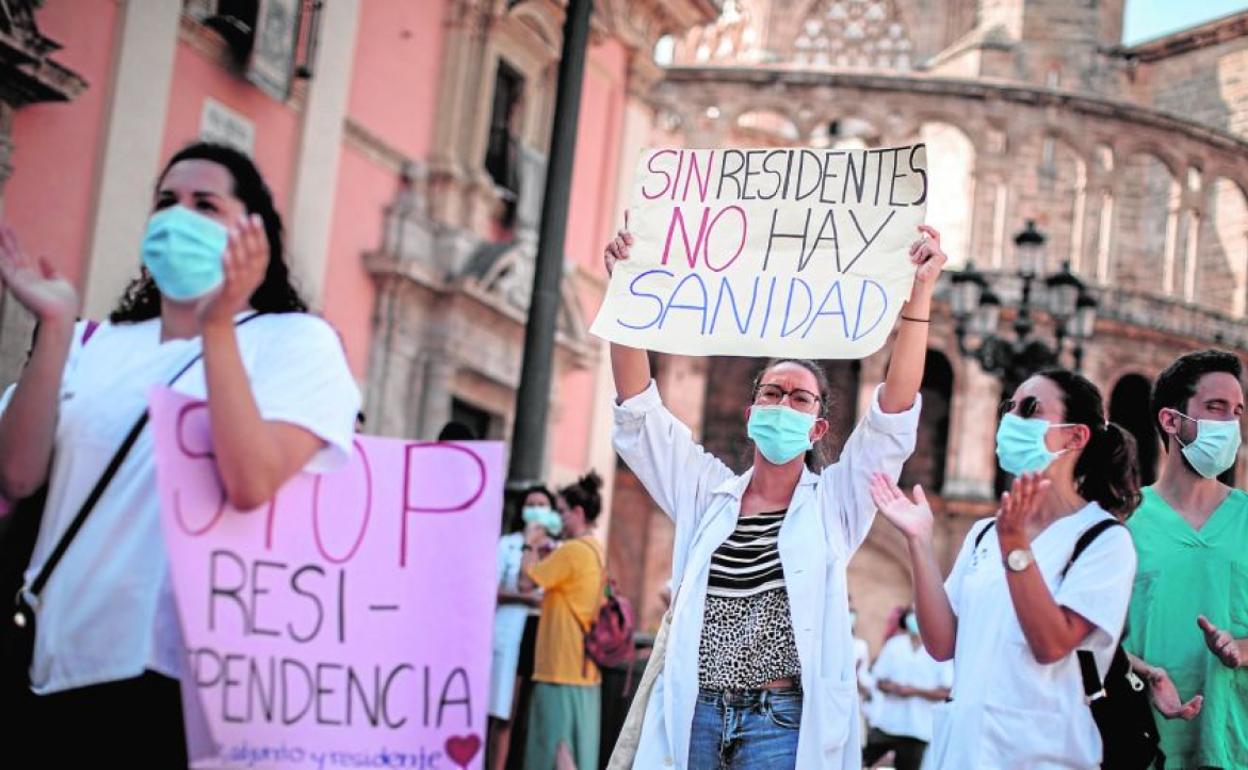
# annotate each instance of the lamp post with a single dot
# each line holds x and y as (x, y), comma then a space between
(528, 440)
(977, 313)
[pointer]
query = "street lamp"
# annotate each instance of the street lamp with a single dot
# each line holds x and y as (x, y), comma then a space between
(977, 311)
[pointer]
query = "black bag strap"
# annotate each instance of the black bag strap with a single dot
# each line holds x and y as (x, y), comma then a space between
(45, 572)
(1085, 540)
(1093, 685)
(979, 538)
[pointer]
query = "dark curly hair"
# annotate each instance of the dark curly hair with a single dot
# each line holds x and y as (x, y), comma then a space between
(1108, 470)
(141, 299)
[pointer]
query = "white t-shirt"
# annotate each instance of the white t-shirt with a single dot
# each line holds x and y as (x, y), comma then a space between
(904, 663)
(108, 612)
(1008, 711)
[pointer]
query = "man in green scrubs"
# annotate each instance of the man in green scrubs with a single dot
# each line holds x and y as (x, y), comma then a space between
(1187, 627)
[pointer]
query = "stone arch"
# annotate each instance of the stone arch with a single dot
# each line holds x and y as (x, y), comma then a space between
(1222, 249)
(1079, 145)
(1157, 151)
(1143, 236)
(972, 129)
(536, 16)
(1058, 201)
(1101, 221)
(951, 195)
(927, 465)
(765, 126)
(845, 132)
(1129, 408)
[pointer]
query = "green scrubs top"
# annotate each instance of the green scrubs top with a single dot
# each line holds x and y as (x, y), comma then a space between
(1183, 573)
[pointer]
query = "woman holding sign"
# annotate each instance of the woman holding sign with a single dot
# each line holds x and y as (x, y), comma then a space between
(213, 314)
(1035, 589)
(760, 669)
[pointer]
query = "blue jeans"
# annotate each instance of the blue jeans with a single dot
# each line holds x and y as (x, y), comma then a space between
(754, 729)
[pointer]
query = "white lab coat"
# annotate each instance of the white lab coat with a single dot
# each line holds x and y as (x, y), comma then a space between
(828, 518)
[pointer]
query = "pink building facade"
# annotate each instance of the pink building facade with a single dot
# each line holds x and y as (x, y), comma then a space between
(405, 142)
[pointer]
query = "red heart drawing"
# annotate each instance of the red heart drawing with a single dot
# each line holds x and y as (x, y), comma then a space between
(462, 748)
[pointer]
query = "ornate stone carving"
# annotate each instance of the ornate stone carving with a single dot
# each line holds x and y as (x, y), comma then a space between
(28, 74)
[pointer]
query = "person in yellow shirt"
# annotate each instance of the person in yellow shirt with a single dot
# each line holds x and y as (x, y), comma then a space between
(566, 703)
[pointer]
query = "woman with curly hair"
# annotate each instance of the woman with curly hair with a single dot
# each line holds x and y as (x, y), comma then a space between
(213, 313)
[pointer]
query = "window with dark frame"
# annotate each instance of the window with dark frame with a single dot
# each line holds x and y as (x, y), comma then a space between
(502, 152)
(473, 417)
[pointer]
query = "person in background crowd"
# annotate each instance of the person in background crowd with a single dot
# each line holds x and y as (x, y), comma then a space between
(567, 703)
(456, 431)
(759, 670)
(862, 656)
(1187, 631)
(108, 652)
(910, 682)
(892, 627)
(892, 624)
(538, 507)
(1015, 608)
(862, 670)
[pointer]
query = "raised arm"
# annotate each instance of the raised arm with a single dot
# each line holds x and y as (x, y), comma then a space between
(254, 456)
(28, 424)
(938, 625)
(884, 438)
(629, 366)
(905, 370)
(676, 471)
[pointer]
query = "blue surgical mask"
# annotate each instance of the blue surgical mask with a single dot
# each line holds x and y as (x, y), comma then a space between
(183, 252)
(1020, 444)
(1215, 448)
(780, 432)
(547, 518)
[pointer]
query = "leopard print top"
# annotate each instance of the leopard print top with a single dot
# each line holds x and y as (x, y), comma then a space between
(747, 630)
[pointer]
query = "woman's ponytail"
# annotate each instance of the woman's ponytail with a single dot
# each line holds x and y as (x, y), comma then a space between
(1108, 471)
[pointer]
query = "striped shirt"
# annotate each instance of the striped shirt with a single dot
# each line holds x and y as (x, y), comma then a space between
(748, 562)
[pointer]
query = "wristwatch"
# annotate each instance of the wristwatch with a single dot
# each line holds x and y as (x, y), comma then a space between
(1019, 559)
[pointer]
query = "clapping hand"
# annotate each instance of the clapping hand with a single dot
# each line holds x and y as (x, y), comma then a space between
(36, 283)
(245, 263)
(1018, 510)
(914, 519)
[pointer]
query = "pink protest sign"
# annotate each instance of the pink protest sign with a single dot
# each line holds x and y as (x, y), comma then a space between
(347, 623)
